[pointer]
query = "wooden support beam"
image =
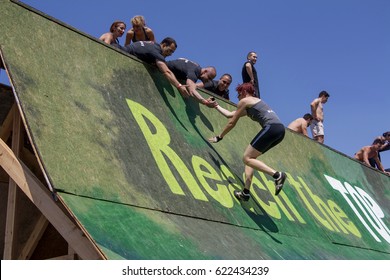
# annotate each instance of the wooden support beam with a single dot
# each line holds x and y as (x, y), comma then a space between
(42, 199)
(34, 238)
(9, 238)
(64, 257)
(72, 252)
(6, 127)
(30, 159)
(10, 222)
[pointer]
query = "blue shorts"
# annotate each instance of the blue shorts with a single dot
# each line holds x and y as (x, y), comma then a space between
(268, 137)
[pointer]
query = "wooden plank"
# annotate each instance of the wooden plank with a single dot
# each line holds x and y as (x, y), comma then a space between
(40, 196)
(5, 129)
(9, 238)
(64, 257)
(10, 221)
(34, 238)
(72, 252)
(30, 159)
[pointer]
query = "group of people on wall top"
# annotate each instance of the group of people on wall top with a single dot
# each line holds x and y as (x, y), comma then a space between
(141, 33)
(314, 120)
(370, 155)
(140, 42)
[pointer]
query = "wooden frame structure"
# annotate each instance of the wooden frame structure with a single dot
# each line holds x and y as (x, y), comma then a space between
(34, 223)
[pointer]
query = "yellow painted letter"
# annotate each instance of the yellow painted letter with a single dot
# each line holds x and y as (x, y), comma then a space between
(158, 142)
(220, 193)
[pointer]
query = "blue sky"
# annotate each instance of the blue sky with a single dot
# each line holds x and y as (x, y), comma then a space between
(304, 46)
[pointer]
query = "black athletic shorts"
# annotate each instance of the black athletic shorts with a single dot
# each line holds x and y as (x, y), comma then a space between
(268, 137)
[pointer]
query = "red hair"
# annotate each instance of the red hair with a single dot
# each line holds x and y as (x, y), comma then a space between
(248, 87)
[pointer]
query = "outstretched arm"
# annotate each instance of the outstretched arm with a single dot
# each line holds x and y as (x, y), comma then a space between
(194, 93)
(225, 112)
(379, 164)
(233, 119)
(172, 78)
(200, 85)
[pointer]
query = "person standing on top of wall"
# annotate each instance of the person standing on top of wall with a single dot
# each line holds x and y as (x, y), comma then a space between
(249, 73)
(317, 111)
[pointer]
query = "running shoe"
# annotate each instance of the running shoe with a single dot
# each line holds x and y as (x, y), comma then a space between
(240, 195)
(279, 182)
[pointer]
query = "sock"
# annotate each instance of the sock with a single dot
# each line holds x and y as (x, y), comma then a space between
(276, 175)
(245, 191)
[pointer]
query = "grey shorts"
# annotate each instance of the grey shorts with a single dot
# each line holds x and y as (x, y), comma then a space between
(317, 128)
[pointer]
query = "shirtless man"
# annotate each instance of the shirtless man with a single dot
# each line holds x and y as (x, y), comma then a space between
(317, 126)
(300, 125)
(385, 147)
(371, 152)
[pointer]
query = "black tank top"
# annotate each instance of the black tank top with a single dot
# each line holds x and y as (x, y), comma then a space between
(146, 36)
(262, 114)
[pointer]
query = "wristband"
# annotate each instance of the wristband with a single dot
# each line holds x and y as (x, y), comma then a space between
(218, 138)
(179, 85)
